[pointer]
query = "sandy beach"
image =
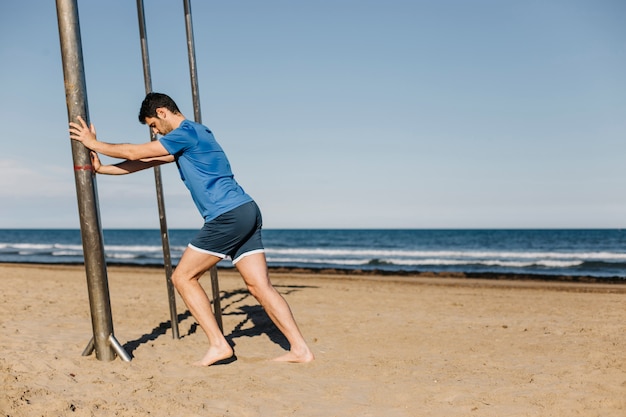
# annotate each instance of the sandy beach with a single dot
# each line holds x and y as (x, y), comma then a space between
(385, 346)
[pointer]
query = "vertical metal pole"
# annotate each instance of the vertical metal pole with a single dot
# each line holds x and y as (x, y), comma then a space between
(191, 52)
(193, 71)
(167, 260)
(91, 231)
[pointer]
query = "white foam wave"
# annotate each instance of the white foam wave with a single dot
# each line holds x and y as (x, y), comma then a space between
(67, 253)
(318, 261)
(70, 247)
(354, 257)
(133, 248)
(373, 253)
(30, 246)
(121, 256)
(426, 262)
(500, 263)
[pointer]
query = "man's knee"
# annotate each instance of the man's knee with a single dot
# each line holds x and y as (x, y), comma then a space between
(179, 279)
(261, 290)
(176, 280)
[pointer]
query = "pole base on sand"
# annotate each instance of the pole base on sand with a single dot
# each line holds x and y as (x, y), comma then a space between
(91, 346)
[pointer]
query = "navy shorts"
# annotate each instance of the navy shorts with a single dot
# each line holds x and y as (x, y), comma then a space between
(232, 235)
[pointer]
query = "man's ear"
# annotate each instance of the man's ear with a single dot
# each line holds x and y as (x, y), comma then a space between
(161, 113)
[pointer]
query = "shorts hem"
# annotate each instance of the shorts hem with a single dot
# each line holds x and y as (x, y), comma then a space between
(208, 252)
(252, 252)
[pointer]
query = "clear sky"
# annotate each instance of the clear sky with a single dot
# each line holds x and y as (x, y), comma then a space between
(336, 113)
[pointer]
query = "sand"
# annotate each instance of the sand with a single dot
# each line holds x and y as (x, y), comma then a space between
(385, 346)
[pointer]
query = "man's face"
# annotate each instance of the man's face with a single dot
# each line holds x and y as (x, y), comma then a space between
(159, 124)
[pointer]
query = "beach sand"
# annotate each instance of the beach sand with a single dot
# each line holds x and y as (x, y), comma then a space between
(385, 346)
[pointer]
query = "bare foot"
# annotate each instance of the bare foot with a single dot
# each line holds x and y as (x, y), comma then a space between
(302, 356)
(215, 354)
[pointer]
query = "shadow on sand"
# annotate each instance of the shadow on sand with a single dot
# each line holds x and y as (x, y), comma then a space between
(254, 320)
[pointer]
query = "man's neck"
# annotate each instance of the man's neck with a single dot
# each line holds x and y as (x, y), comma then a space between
(177, 119)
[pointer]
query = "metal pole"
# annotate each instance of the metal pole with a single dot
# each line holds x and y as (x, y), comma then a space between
(167, 260)
(193, 71)
(91, 231)
(191, 52)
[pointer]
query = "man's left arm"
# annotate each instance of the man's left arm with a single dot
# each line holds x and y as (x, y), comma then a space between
(128, 166)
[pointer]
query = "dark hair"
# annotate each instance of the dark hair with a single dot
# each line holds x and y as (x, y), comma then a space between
(152, 102)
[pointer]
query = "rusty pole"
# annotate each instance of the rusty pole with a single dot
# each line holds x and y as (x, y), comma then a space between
(103, 340)
(167, 259)
(193, 72)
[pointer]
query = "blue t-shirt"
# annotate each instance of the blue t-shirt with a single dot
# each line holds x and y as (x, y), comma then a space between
(204, 169)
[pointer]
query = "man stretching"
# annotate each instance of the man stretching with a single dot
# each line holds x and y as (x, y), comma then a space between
(232, 227)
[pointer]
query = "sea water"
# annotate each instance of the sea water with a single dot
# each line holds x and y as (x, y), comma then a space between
(579, 252)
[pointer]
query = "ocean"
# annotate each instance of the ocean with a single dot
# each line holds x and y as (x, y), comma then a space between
(599, 253)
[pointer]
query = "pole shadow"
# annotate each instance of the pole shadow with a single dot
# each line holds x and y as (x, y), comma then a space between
(252, 313)
(159, 330)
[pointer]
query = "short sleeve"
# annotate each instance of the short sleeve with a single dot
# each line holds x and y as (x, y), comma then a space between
(178, 140)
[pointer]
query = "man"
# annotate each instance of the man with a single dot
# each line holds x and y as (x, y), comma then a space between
(232, 226)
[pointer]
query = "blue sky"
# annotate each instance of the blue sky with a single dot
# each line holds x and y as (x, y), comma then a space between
(337, 114)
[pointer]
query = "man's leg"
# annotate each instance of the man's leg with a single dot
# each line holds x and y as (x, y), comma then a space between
(185, 278)
(253, 269)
